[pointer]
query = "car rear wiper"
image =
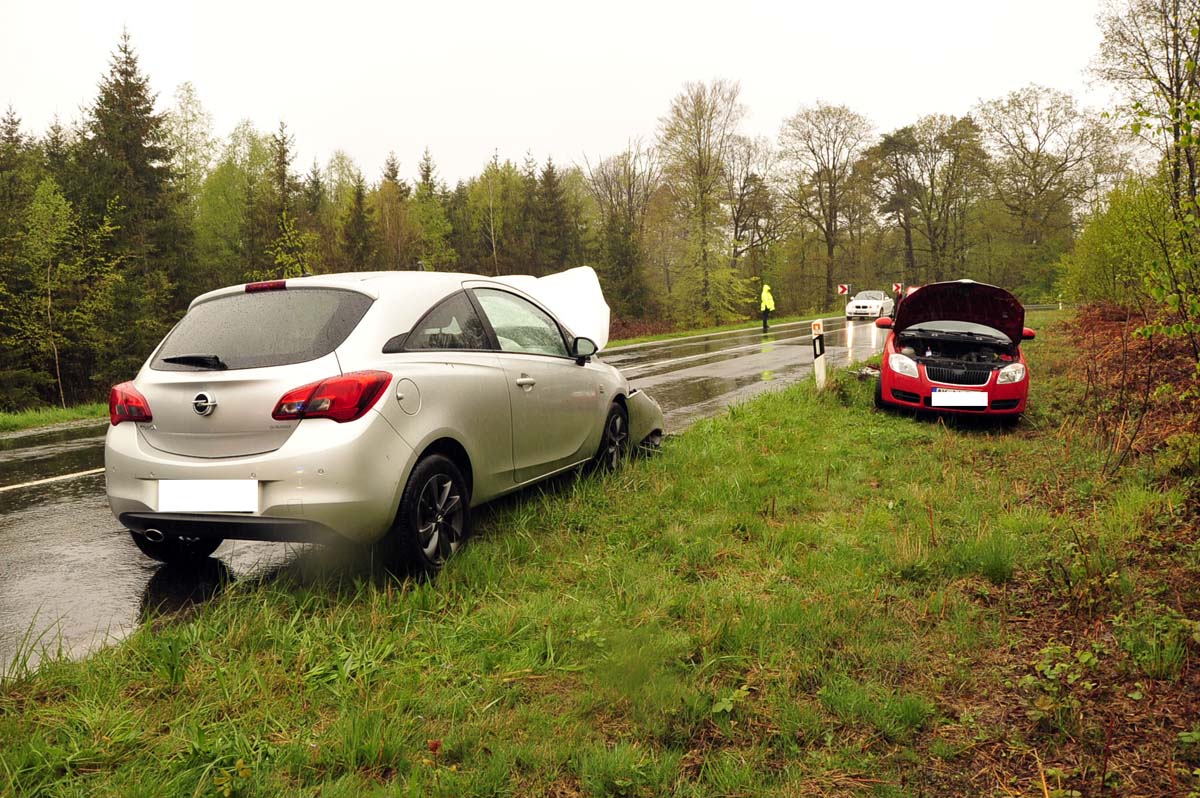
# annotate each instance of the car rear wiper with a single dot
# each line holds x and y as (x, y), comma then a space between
(205, 361)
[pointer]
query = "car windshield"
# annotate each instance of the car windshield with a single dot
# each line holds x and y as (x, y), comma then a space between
(267, 328)
(871, 295)
(948, 326)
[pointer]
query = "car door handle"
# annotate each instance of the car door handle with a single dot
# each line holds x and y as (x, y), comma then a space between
(525, 381)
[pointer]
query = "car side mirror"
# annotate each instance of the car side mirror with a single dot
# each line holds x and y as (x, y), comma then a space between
(884, 322)
(1027, 334)
(582, 349)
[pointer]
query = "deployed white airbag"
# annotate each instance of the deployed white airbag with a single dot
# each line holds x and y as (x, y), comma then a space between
(574, 296)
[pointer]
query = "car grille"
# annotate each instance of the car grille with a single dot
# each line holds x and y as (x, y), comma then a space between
(959, 375)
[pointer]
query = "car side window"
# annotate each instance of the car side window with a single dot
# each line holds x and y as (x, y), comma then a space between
(453, 324)
(521, 326)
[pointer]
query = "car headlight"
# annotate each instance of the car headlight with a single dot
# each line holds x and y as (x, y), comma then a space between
(902, 364)
(1013, 372)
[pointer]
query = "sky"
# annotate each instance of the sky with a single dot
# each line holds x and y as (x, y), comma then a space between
(551, 78)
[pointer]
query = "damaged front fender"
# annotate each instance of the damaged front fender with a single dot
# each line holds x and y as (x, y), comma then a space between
(645, 419)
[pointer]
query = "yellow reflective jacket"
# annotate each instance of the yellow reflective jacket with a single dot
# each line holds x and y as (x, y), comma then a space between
(768, 301)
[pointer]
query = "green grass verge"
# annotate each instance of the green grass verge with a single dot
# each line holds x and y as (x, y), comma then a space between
(801, 597)
(44, 416)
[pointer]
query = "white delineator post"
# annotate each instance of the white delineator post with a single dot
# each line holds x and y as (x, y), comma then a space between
(818, 343)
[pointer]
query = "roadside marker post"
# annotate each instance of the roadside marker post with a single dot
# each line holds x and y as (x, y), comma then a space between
(818, 343)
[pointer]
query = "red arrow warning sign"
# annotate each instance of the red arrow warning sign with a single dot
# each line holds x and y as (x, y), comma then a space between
(843, 289)
(897, 287)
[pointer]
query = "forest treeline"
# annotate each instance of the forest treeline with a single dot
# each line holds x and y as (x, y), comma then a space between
(109, 226)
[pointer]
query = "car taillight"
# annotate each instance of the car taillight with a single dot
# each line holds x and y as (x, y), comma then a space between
(343, 398)
(266, 285)
(126, 403)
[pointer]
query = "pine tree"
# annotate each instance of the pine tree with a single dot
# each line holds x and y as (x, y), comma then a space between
(20, 372)
(314, 191)
(189, 135)
(124, 154)
(391, 176)
(358, 230)
(426, 174)
(283, 182)
(17, 177)
(526, 245)
(57, 151)
(554, 233)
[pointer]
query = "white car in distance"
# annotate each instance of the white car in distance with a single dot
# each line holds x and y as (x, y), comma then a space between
(869, 305)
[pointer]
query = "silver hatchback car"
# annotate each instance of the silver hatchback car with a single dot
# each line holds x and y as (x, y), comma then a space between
(377, 408)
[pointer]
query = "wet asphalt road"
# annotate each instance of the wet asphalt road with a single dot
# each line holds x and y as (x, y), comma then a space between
(70, 579)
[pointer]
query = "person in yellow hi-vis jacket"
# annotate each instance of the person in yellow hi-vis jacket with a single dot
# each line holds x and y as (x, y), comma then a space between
(766, 305)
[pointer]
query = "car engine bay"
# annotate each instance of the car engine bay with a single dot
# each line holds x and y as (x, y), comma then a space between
(957, 349)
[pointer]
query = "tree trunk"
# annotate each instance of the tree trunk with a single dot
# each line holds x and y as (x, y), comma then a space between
(829, 246)
(62, 399)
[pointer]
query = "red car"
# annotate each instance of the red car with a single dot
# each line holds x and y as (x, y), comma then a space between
(955, 347)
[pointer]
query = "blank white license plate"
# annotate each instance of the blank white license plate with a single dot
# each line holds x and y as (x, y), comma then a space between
(207, 495)
(944, 397)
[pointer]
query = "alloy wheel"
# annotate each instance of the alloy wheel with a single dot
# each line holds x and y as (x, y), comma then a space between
(439, 518)
(616, 439)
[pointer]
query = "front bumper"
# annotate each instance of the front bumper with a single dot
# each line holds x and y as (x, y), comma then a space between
(645, 416)
(328, 481)
(916, 393)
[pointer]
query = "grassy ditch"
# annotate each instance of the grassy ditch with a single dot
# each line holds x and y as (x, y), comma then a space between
(801, 597)
(44, 416)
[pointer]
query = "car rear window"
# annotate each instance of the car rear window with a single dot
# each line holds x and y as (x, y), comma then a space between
(268, 328)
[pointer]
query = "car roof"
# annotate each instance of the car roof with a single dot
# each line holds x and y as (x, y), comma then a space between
(574, 296)
(416, 287)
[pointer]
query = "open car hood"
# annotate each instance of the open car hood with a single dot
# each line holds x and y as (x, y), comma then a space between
(962, 300)
(574, 296)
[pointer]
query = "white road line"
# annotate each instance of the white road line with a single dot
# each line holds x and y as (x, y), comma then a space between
(87, 473)
(703, 355)
(665, 341)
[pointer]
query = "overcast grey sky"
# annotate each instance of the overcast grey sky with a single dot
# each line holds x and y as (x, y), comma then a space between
(551, 77)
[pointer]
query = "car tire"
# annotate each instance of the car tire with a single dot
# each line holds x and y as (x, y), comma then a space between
(434, 517)
(879, 403)
(175, 550)
(614, 440)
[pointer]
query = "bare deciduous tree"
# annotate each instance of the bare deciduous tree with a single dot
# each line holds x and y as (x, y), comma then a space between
(1150, 51)
(818, 147)
(696, 139)
(751, 200)
(1049, 157)
(623, 186)
(189, 135)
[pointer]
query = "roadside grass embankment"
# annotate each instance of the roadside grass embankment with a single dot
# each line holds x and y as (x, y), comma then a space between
(45, 416)
(801, 597)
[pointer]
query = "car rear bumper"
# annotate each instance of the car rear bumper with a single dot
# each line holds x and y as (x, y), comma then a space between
(230, 526)
(328, 481)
